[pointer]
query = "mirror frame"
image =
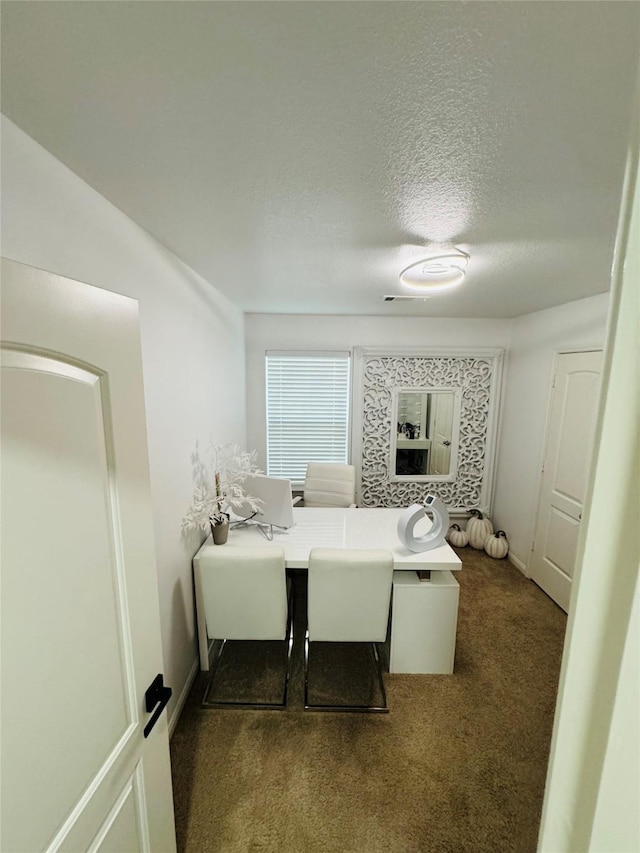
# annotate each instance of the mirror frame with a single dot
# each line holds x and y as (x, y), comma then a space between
(455, 437)
(476, 371)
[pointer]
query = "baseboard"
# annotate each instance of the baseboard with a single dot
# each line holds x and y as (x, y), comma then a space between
(177, 710)
(518, 564)
(459, 518)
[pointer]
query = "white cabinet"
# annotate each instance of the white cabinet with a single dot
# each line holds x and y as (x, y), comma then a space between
(423, 623)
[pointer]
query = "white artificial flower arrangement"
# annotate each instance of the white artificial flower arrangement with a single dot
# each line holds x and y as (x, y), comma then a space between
(219, 485)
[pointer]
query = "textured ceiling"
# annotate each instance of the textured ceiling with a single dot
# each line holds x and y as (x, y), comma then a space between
(299, 155)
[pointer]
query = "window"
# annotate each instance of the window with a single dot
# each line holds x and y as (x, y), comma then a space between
(307, 411)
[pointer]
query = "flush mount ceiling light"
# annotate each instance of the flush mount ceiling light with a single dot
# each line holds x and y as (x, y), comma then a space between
(437, 272)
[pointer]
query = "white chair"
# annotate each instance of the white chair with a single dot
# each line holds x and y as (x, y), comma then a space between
(329, 484)
(348, 602)
(245, 596)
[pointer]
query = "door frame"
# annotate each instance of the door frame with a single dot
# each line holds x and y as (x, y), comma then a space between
(582, 793)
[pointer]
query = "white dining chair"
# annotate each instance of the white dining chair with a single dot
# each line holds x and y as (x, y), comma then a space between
(329, 484)
(246, 596)
(349, 592)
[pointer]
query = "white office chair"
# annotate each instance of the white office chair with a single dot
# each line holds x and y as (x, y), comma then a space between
(348, 602)
(246, 597)
(329, 484)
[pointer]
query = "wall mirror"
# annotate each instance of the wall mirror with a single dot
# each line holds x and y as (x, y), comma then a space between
(436, 396)
(425, 433)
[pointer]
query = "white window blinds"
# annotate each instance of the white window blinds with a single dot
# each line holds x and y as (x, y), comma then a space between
(307, 411)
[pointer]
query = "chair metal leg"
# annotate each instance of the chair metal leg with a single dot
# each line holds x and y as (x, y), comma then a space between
(306, 670)
(289, 649)
(254, 706)
(380, 677)
(363, 709)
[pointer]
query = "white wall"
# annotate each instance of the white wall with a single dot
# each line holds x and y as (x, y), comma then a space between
(535, 338)
(192, 349)
(338, 332)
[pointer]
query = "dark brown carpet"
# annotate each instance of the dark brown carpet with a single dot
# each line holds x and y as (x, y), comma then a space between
(457, 765)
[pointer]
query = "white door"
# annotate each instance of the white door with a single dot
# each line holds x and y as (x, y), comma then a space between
(574, 401)
(442, 419)
(80, 620)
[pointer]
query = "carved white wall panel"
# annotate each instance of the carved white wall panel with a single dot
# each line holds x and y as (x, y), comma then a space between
(478, 378)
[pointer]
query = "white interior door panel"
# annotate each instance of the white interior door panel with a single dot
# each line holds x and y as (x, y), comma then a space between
(80, 621)
(570, 432)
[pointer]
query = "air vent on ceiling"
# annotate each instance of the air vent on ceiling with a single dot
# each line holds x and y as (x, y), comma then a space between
(393, 298)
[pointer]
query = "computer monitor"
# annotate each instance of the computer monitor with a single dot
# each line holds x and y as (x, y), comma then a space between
(277, 502)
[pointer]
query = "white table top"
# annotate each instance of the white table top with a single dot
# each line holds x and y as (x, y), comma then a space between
(334, 527)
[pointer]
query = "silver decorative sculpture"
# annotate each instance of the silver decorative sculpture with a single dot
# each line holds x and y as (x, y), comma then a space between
(434, 537)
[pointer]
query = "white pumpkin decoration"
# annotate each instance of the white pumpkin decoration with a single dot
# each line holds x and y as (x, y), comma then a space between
(497, 546)
(457, 537)
(478, 528)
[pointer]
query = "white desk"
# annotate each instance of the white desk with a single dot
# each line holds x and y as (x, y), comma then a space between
(353, 527)
(335, 527)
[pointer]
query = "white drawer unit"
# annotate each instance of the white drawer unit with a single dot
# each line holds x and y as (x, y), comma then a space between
(423, 623)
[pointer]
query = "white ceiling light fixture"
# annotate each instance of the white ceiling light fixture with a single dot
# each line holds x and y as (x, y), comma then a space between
(435, 273)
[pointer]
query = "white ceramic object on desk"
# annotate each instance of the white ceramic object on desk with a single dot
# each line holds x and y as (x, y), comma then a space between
(435, 536)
